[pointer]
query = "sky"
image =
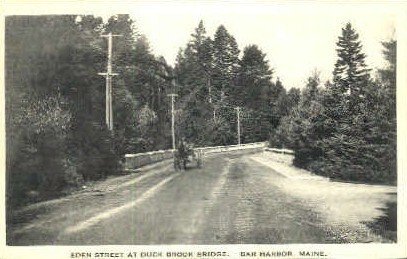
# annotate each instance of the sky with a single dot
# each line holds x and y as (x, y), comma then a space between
(297, 39)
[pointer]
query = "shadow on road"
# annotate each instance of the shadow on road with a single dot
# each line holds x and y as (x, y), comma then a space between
(386, 225)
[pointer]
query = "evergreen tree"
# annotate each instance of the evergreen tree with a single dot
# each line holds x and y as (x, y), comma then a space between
(388, 74)
(254, 78)
(380, 118)
(350, 75)
(201, 46)
(311, 89)
(254, 91)
(122, 25)
(194, 73)
(282, 102)
(225, 63)
(300, 129)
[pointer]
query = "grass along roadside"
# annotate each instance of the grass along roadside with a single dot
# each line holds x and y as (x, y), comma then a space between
(352, 207)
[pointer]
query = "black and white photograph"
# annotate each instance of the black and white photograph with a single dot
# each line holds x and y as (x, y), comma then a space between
(216, 123)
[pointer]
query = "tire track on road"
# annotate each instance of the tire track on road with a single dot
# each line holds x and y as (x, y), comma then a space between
(201, 214)
(108, 214)
(38, 224)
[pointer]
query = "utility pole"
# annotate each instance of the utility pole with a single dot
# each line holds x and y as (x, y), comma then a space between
(238, 124)
(109, 74)
(172, 119)
(208, 83)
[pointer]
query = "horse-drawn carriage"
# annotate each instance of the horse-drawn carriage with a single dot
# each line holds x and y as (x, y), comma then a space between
(185, 154)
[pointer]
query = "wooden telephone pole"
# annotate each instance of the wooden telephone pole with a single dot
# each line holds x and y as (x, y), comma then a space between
(238, 124)
(173, 119)
(109, 74)
(208, 83)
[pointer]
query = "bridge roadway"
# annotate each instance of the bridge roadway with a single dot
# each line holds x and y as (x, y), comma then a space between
(231, 200)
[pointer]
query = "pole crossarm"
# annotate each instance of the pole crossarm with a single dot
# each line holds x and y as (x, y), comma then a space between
(108, 74)
(110, 35)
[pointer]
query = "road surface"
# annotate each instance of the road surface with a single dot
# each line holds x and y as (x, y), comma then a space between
(231, 200)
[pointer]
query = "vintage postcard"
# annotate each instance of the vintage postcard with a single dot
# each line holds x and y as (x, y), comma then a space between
(203, 129)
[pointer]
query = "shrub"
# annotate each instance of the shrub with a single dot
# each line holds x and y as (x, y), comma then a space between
(37, 168)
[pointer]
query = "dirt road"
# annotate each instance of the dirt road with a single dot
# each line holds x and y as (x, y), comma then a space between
(232, 199)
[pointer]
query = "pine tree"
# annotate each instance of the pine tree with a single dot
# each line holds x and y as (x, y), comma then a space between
(201, 46)
(357, 142)
(123, 25)
(380, 119)
(193, 71)
(226, 63)
(311, 89)
(388, 74)
(254, 78)
(350, 74)
(300, 129)
(252, 90)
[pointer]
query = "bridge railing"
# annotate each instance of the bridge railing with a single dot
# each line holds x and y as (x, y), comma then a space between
(133, 161)
(280, 150)
(220, 149)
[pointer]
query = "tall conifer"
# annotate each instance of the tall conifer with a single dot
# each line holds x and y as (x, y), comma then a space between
(350, 74)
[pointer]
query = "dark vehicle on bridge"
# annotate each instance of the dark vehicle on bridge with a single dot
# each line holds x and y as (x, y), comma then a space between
(185, 154)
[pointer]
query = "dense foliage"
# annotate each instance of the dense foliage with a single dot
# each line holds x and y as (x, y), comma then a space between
(55, 102)
(55, 99)
(347, 129)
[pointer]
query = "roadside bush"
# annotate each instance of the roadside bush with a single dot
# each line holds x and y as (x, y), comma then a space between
(275, 140)
(96, 156)
(37, 169)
